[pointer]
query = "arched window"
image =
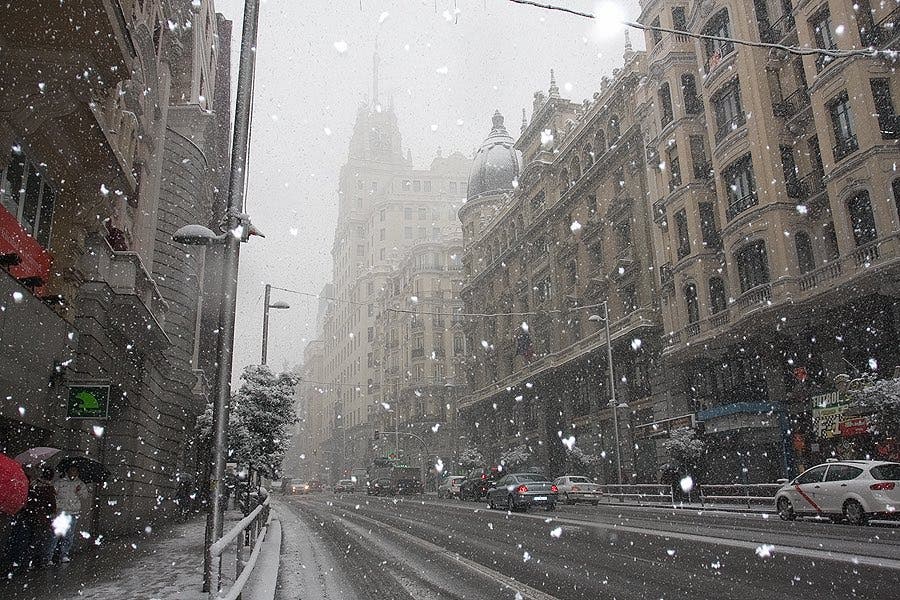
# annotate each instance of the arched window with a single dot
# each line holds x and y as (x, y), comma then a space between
(718, 301)
(692, 103)
(576, 169)
(588, 154)
(613, 129)
(601, 142)
(862, 219)
(690, 300)
(665, 104)
(805, 258)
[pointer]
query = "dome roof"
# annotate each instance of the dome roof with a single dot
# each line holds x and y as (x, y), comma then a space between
(496, 164)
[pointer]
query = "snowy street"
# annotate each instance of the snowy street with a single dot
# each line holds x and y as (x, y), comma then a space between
(420, 547)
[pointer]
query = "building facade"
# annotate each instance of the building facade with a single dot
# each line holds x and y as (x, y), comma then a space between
(735, 206)
(108, 133)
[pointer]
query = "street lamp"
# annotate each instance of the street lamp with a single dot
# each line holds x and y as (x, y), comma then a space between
(237, 228)
(265, 338)
(612, 385)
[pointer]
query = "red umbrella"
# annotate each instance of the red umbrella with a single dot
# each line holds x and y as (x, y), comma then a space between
(13, 486)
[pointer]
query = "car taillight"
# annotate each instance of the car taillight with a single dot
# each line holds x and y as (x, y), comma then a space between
(483, 476)
(555, 489)
(883, 486)
(522, 489)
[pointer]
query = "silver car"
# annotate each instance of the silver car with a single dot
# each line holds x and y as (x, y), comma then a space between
(521, 491)
(449, 488)
(577, 488)
(855, 490)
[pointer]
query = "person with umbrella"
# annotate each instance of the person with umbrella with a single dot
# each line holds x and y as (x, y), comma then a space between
(71, 494)
(33, 531)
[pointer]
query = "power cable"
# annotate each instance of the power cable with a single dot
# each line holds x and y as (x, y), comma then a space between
(833, 53)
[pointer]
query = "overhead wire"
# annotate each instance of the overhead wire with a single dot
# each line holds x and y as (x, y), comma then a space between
(832, 53)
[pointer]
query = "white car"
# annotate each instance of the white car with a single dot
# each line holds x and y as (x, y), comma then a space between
(576, 488)
(855, 490)
(449, 488)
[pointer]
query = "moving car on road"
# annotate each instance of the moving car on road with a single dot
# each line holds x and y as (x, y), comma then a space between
(855, 490)
(293, 486)
(449, 488)
(477, 483)
(344, 485)
(577, 488)
(383, 486)
(521, 491)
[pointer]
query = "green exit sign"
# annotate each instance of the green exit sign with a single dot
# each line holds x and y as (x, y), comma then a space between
(88, 401)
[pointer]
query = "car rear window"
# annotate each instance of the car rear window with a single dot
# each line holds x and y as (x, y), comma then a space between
(580, 479)
(886, 472)
(527, 478)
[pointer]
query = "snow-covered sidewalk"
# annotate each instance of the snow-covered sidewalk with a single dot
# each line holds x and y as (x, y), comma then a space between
(164, 564)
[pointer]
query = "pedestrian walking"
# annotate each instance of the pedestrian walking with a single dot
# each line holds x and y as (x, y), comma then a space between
(71, 494)
(39, 512)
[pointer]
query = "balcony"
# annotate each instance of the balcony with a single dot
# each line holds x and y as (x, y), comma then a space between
(845, 147)
(761, 294)
(692, 330)
(740, 205)
(865, 255)
(821, 275)
(729, 126)
(792, 104)
(889, 126)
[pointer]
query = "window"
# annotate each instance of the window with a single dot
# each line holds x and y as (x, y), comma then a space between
(665, 104)
(824, 36)
(370, 334)
(655, 32)
(452, 187)
(628, 295)
(28, 196)
(613, 129)
(690, 302)
(435, 233)
(728, 110)
(842, 124)
(806, 261)
(753, 266)
(421, 233)
(674, 167)
(426, 186)
(381, 215)
(829, 236)
(381, 254)
(740, 186)
(888, 120)
(374, 186)
(862, 219)
(814, 475)
(417, 186)
(708, 229)
(591, 204)
(789, 169)
(679, 20)
(692, 103)
(681, 228)
(459, 344)
(407, 233)
(895, 186)
(360, 249)
(718, 301)
(543, 290)
(622, 231)
(381, 234)
(423, 213)
(716, 50)
(699, 158)
(408, 213)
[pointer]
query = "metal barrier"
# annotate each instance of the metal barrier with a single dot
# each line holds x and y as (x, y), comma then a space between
(250, 531)
(643, 492)
(739, 493)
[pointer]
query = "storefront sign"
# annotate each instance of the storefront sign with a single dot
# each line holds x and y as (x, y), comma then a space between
(854, 426)
(88, 401)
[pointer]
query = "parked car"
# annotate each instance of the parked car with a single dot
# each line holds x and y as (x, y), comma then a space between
(521, 491)
(577, 488)
(855, 490)
(477, 483)
(293, 486)
(382, 486)
(449, 488)
(344, 485)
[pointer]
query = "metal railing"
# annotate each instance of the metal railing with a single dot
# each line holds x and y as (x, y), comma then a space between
(743, 494)
(250, 531)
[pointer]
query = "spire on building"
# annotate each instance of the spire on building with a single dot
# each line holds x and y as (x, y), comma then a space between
(554, 89)
(629, 50)
(524, 122)
(375, 61)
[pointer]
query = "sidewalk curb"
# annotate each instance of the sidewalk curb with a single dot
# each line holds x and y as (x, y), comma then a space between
(264, 579)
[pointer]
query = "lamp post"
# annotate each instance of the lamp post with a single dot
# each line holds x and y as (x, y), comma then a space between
(612, 386)
(265, 337)
(237, 229)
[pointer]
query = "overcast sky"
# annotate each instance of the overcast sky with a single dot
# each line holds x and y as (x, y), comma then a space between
(447, 72)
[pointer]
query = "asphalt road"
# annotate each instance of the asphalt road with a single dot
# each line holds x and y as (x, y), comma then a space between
(354, 546)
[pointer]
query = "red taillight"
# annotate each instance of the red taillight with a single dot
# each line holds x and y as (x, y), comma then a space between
(483, 476)
(881, 487)
(555, 489)
(522, 489)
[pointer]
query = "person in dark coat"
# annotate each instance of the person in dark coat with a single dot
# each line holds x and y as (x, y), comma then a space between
(32, 528)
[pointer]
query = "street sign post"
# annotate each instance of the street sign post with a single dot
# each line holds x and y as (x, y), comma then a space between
(88, 401)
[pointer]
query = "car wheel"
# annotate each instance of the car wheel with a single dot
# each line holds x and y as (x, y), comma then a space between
(785, 510)
(568, 499)
(854, 513)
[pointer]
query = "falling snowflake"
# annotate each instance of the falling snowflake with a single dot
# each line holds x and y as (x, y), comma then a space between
(526, 556)
(340, 46)
(765, 550)
(575, 226)
(555, 533)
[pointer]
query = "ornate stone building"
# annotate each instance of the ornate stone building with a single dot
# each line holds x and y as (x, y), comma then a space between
(776, 216)
(108, 134)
